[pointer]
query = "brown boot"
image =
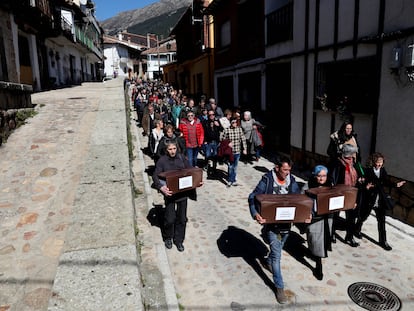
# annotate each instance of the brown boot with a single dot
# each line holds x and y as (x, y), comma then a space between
(280, 296)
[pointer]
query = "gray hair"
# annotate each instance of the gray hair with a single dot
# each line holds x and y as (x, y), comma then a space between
(349, 150)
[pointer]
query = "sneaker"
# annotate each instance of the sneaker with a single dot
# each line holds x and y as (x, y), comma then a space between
(180, 247)
(280, 295)
(235, 184)
(168, 243)
(229, 184)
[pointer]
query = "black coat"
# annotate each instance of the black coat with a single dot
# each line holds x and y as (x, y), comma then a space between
(379, 185)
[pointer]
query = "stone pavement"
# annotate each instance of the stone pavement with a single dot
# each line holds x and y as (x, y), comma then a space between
(67, 220)
(76, 231)
(219, 269)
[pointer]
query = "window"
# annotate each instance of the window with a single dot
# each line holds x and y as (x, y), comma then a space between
(3, 63)
(347, 86)
(225, 34)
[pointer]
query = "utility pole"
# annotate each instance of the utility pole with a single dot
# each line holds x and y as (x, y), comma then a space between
(158, 50)
(158, 54)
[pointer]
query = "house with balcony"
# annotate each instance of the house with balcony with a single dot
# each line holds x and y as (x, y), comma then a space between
(74, 50)
(47, 44)
(194, 34)
(20, 70)
(239, 53)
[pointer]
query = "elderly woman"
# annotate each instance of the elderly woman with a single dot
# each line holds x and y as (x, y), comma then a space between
(344, 172)
(248, 128)
(319, 231)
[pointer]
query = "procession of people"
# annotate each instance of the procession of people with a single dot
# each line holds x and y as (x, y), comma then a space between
(185, 133)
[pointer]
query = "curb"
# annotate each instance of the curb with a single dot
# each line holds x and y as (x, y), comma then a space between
(162, 259)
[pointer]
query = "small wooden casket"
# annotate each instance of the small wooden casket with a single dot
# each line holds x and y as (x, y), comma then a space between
(285, 208)
(333, 199)
(182, 180)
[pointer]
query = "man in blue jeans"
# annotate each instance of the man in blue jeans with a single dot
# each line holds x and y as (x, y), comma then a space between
(277, 181)
(211, 140)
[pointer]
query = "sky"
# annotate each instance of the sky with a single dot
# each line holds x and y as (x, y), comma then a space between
(109, 8)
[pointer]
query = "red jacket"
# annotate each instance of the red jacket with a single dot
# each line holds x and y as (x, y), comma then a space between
(193, 133)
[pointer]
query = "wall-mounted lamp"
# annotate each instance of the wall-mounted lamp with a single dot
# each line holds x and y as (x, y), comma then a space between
(402, 65)
(395, 62)
(409, 65)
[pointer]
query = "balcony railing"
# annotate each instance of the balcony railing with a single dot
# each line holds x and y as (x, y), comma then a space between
(91, 44)
(280, 25)
(42, 5)
(66, 25)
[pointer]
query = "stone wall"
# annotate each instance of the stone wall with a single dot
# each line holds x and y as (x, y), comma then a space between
(15, 95)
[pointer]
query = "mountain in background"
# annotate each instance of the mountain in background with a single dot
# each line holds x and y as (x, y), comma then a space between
(158, 18)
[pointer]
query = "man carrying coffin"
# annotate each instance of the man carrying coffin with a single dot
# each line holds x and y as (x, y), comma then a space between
(277, 181)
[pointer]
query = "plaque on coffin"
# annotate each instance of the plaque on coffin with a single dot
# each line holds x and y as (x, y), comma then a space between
(183, 179)
(285, 208)
(333, 199)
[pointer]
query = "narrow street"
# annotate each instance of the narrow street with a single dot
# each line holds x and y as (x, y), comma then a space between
(75, 231)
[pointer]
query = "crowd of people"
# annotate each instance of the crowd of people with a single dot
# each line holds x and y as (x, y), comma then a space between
(179, 129)
(203, 127)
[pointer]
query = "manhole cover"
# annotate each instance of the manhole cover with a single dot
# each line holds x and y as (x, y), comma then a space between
(373, 297)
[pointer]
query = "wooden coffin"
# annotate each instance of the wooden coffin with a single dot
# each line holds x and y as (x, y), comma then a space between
(333, 199)
(285, 208)
(182, 180)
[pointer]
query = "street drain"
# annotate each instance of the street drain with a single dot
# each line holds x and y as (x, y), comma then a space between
(374, 297)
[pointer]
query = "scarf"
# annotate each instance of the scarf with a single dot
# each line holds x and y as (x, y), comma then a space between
(350, 172)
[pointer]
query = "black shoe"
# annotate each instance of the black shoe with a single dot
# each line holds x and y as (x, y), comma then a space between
(180, 247)
(333, 238)
(351, 242)
(318, 272)
(168, 243)
(358, 235)
(386, 246)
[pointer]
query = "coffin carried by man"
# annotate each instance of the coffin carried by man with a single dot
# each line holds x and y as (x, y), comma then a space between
(286, 208)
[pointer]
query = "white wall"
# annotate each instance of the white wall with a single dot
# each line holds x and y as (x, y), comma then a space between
(395, 131)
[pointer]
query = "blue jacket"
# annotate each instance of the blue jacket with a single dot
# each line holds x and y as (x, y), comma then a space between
(265, 186)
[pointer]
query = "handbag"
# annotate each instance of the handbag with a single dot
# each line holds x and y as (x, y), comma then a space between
(389, 202)
(387, 199)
